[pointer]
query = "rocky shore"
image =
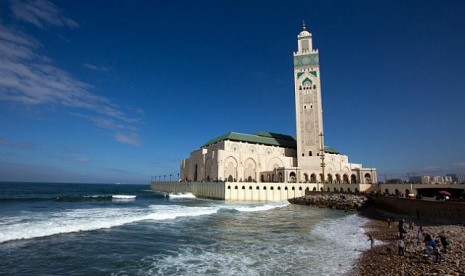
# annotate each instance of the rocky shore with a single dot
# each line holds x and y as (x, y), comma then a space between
(384, 259)
(340, 201)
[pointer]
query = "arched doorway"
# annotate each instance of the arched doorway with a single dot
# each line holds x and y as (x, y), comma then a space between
(353, 179)
(313, 178)
(345, 179)
(292, 177)
(330, 178)
(280, 177)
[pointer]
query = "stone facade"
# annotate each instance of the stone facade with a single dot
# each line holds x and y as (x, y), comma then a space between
(269, 157)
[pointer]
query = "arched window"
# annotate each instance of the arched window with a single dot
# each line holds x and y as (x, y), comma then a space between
(368, 178)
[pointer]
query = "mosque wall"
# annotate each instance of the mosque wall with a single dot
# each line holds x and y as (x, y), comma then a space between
(250, 191)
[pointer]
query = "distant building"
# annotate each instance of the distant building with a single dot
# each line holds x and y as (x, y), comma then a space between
(427, 179)
(453, 177)
(461, 178)
(271, 157)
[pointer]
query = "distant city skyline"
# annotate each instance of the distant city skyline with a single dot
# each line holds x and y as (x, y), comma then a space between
(122, 91)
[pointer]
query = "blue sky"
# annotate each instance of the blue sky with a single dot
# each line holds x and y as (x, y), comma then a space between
(120, 91)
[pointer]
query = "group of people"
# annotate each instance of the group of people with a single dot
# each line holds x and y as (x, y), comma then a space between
(432, 245)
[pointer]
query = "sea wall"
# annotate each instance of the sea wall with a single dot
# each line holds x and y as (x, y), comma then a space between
(236, 191)
(423, 210)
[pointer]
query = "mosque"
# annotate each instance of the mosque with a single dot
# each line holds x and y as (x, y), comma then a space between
(264, 157)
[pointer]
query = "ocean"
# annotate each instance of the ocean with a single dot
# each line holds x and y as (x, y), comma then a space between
(108, 229)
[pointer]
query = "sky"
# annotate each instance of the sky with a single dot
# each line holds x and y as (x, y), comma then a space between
(121, 91)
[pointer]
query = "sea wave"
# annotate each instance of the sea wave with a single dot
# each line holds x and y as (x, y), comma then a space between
(31, 225)
(181, 195)
(262, 207)
(123, 197)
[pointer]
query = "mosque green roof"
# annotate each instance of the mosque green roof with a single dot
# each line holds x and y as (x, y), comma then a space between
(262, 137)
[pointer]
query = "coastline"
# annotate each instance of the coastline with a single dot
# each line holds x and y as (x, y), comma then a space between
(384, 259)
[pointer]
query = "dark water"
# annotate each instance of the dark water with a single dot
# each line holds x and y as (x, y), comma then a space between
(94, 229)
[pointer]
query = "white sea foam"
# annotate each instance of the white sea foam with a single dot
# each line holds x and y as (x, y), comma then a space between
(124, 197)
(347, 233)
(179, 196)
(262, 207)
(29, 225)
(330, 248)
(164, 212)
(33, 226)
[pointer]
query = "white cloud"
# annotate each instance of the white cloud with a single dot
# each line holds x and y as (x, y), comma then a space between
(29, 78)
(128, 138)
(41, 13)
(95, 67)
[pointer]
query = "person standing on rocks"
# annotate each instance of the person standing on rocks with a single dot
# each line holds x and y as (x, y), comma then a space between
(401, 229)
(372, 241)
(444, 242)
(401, 247)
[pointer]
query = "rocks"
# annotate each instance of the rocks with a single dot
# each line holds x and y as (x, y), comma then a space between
(340, 201)
(380, 261)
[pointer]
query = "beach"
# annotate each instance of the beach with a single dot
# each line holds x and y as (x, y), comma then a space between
(384, 259)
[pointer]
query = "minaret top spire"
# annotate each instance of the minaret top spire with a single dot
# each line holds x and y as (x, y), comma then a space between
(304, 28)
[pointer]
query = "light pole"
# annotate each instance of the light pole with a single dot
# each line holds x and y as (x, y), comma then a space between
(164, 177)
(170, 177)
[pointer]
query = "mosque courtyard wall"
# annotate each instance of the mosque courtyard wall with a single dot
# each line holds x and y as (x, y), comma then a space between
(252, 191)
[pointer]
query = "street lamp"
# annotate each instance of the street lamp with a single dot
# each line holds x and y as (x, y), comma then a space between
(170, 177)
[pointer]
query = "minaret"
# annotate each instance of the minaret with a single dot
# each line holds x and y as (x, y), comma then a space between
(309, 113)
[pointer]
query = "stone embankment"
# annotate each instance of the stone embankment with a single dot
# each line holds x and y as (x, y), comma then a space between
(340, 201)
